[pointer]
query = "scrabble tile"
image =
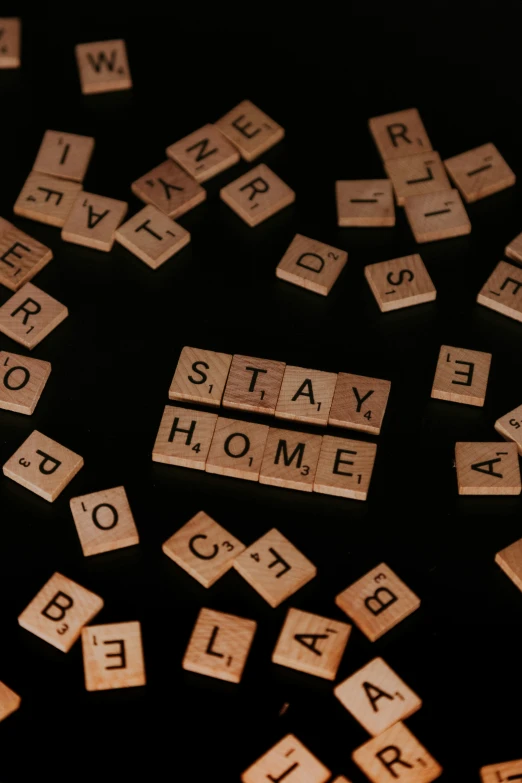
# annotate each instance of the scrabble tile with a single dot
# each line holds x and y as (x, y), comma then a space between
(9, 700)
(250, 130)
(200, 376)
(288, 760)
(340, 779)
(480, 172)
(359, 403)
(399, 134)
(93, 221)
(219, 645)
(184, 437)
(509, 426)
(59, 611)
(22, 381)
(366, 203)
(377, 697)
(113, 656)
(501, 291)
(170, 189)
(253, 384)
(514, 249)
(64, 155)
(440, 215)
(103, 66)
(257, 195)
(30, 315)
(237, 449)
(203, 548)
(345, 467)
(290, 459)
(487, 469)
(306, 395)
(396, 755)
(461, 376)
(152, 236)
(377, 601)
(311, 644)
(401, 282)
(104, 521)
(21, 256)
(502, 773)
(10, 34)
(417, 175)
(204, 153)
(43, 466)
(46, 199)
(510, 561)
(274, 567)
(311, 264)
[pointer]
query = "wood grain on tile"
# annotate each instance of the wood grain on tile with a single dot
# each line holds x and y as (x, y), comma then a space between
(103, 66)
(64, 155)
(487, 469)
(46, 199)
(288, 760)
(21, 256)
(514, 249)
(113, 656)
(417, 175)
(365, 203)
(480, 172)
(204, 153)
(461, 376)
(345, 467)
(253, 384)
(401, 282)
(30, 315)
(509, 426)
(152, 236)
(93, 221)
(22, 381)
(510, 561)
(184, 437)
(104, 521)
(306, 395)
(10, 42)
(200, 376)
(502, 291)
(359, 403)
(290, 459)
(396, 755)
(9, 700)
(435, 216)
(237, 449)
(399, 134)
(169, 188)
(505, 772)
(219, 645)
(250, 130)
(311, 264)
(257, 195)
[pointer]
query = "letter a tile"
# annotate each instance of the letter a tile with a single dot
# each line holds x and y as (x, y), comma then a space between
(113, 656)
(288, 760)
(22, 381)
(253, 384)
(396, 754)
(103, 66)
(365, 203)
(359, 403)
(184, 437)
(487, 469)
(200, 376)
(461, 376)
(10, 34)
(502, 291)
(402, 282)
(505, 772)
(219, 645)
(311, 264)
(9, 701)
(306, 395)
(480, 172)
(30, 315)
(65, 155)
(257, 195)
(93, 221)
(250, 130)
(152, 236)
(237, 449)
(345, 467)
(440, 215)
(104, 521)
(509, 426)
(510, 561)
(204, 153)
(46, 199)
(21, 256)
(399, 134)
(170, 189)
(290, 459)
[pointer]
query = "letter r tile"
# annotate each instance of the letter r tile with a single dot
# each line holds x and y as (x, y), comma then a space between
(30, 315)
(257, 195)
(288, 760)
(396, 754)
(399, 134)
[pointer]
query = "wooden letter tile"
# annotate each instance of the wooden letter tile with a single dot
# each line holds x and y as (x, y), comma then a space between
(10, 34)
(204, 153)
(290, 761)
(219, 645)
(30, 315)
(65, 155)
(290, 459)
(366, 203)
(487, 469)
(152, 236)
(21, 256)
(170, 189)
(359, 403)
(461, 376)
(103, 66)
(274, 567)
(377, 601)
(250, 130)
(200, 376)
(203, 548)
(306, 395)
(93, 220)
(46, 199)
(184, 437)
(417, 175)
(59, 611)
(113, 656)
(502, 773)
(104, 521)
(253, 384)
(257, 195)
(345, 467)
(509, 426)
(9, 700)
(399, 134)
(399, 283)
(22, 382)
(502, 291)
(396, 755)
(311, 264)
(440, 215)
(237, 449)
(480, 172)
(311, 644)
(377, 697)
(510, 561)
(514, 249)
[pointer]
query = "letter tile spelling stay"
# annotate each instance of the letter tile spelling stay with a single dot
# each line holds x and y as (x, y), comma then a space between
(365, 203)
(257, 195)
(103, 66)
(64, 155)
(487, 469)
(113, 656)
(480, 172)
(204, 153)
(237, 449)
(345, 467)
(399, 134)
(510, 561)
(152, 236)
(417, 175)
(250, 130)
(401, 282)
(288, 760)
(311, 264)
(22, 381)
(200, 376)
(104, 521)
(509, 426)
(290, 459)
(9, 700)
(184, 437)
(359, 403)
(10, 35)
(46, 199)
(93, 220)
(502, 291)
(170, 189)
(253, 384)
(505, 772)
(461, 376)
(440, 215)
(514, 249)
(21, 256)
(306, 395)
(30, 315)
(396, 754)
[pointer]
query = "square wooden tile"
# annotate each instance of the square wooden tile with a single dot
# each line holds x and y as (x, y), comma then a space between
(184, 437)
(152, 236)
(30, 315)
(440, 215)
(103, 66)
(306, 395)
(359, 403)
(46, 199)
(502, 773)
(311, 644)
(257, 195)
(104, 521)
(9, 700)
(203, 548)
(377, 697)
(378, 601)
(509, 426)
(461, 376)
(93, 221)
(200, 376)
(514, 249)
(274, 567)
(22, 381)
(43, 466)
(288, 760)
(237, 449)
(502, 291)
(10, 35)
(253, 384)
(417, 175)
(290, 459)
(170, 189)
(399, 134)
(401, 282)
(487, 469)
(219, 645)
(365, 203)
(345, 467)
(204, 153)
(311, 264)
(510, 561)
(480, 172)
(250, 130)
(113, 656)
(21, 256)
(59, 611)
(396, 755)
(65, 155)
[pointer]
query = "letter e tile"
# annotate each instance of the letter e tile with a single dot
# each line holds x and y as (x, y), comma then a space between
(113, 656)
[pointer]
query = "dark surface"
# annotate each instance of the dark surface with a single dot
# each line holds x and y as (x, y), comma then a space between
(114, 357)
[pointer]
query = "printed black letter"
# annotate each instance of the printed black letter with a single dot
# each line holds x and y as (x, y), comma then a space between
(61, 607)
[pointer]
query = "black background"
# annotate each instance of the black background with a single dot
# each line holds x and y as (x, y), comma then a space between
(114, 357)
